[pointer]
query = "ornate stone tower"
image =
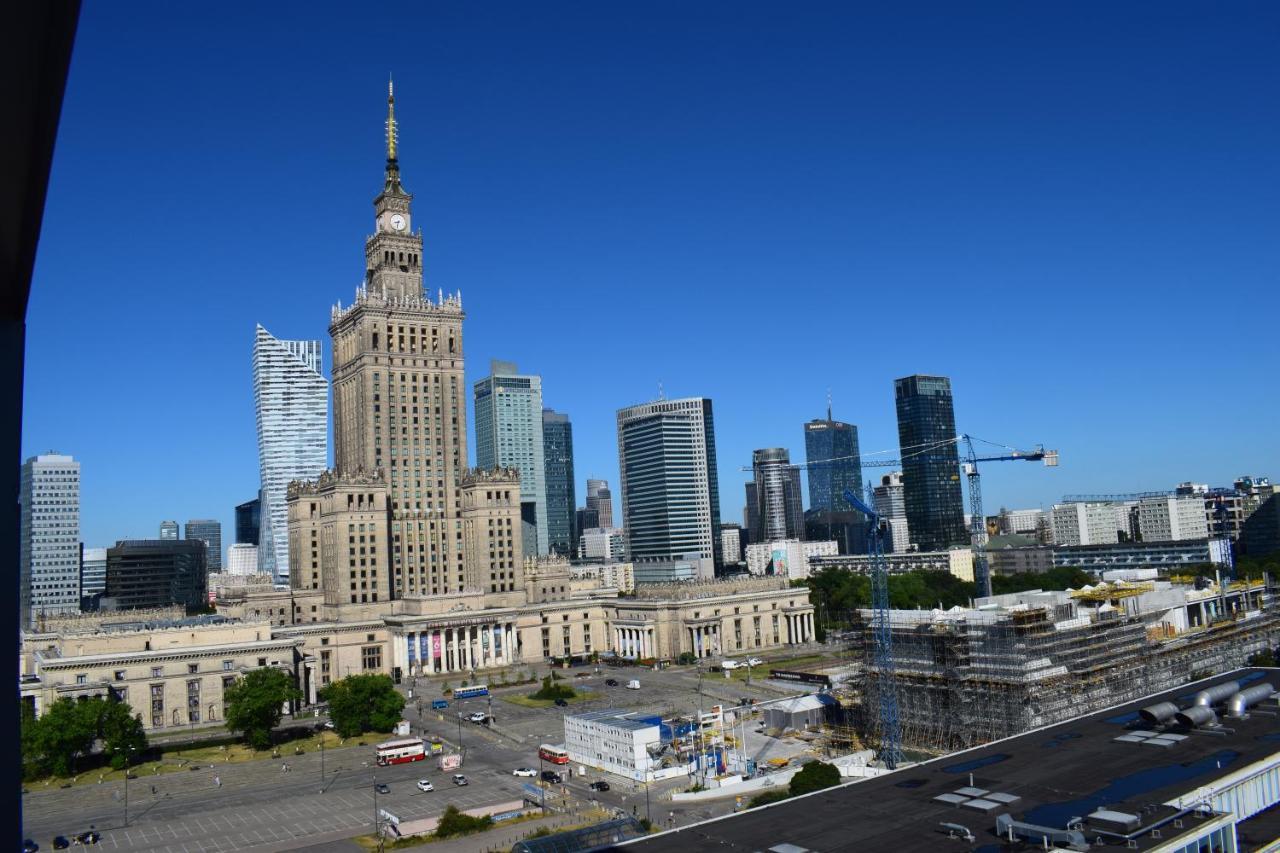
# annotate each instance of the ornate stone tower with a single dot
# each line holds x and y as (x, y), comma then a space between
(398, 396)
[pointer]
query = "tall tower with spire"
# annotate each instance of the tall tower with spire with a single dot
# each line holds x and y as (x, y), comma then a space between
(393, 518)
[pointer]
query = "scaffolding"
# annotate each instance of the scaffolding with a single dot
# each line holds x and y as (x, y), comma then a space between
(967, 677)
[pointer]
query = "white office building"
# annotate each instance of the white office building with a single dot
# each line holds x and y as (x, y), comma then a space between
(890, 503)
(242, 559)
(1084, 524)
(670, 488)
(291, 401)
(93, 571)
(49, 548)
(613, 741)
(787, 558)
(602, 543)
(509, 435)
(1172, 518)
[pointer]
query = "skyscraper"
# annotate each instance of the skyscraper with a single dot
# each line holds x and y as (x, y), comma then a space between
(930, 462)
(93, 571)
(509, 434)
(831, 454)
(248, 521)
(291, 400)
(208, 531)
(168, 531)
(423, 524)
(892, 506)
(777, 488)
(49, 550)
(670, 494)
(557, 455)
(600, 499)
(157, 573)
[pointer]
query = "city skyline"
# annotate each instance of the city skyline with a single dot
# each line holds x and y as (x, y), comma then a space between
(1018, 401)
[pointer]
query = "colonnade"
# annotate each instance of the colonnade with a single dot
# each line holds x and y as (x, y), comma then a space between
(799, 627)
(461, 648)
(634, 642)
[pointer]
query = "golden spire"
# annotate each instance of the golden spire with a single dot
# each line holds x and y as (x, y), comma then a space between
(391, 120)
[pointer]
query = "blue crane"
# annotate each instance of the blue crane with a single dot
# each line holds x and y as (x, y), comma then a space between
(886, 673)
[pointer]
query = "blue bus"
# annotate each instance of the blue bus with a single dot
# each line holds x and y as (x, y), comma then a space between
(469, 692)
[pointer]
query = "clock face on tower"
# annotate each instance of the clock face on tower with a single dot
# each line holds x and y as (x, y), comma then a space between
(397, 222)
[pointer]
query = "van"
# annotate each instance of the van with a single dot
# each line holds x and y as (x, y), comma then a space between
(633, 684)
(729, 664)
(438, 704)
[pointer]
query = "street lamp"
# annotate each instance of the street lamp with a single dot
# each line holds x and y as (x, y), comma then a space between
(126, 781)
(542, 783)
(460, 750)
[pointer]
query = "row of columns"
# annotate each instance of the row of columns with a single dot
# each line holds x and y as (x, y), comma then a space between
(633, 642)
(460, 649)
(799, 627)
(704, 640)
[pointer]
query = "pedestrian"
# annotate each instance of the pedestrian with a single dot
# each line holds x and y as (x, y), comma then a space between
(217, 781)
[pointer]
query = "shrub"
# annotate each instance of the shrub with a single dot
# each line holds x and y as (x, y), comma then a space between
(454, 822)
(552, 691)
(814, 776)
(775, 796)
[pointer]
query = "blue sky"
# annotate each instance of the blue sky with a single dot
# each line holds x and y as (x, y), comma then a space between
(1070, 211)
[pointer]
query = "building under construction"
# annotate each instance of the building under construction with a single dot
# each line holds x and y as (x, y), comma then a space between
(1016, 662)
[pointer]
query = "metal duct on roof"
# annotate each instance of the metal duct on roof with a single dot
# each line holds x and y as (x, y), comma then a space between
(1217, 693)
(1196, 715)
(1240, 702)
(1158, 713)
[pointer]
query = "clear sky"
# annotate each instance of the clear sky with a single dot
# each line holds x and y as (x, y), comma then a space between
(1069, 209)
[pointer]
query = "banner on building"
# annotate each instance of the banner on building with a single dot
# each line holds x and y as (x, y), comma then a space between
(435, 642)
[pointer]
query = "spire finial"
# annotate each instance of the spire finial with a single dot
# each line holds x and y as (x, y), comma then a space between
(828, 405)
(391, 120)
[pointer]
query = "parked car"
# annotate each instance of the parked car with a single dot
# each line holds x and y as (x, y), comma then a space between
(383, 788)
(459, 779)
(478, 717)
(599, 785)
(437, 704)
(524, 771)
(88, 838)
(425, 785)
(755, 662)
(551, 776)
(60, 842)
(29, 846)
(611, 682)
(561, 703)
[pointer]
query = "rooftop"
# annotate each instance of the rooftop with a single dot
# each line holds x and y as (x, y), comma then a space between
(614, 717)
(1109, 768)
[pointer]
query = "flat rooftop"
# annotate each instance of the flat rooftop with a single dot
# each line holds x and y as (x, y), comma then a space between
(1046, 777)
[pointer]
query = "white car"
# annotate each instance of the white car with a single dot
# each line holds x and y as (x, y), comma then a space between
(524, 771)
(729, 664)
(754, 662)
(425, 785)
(478, 717)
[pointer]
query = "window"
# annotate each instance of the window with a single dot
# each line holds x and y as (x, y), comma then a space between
(82, 678)
(157, 672)
(262, 661)
(226, 665)
(371, 657)
(119, 675)
(193, 668)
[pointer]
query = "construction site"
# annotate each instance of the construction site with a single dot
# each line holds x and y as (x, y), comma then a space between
(1015, 662)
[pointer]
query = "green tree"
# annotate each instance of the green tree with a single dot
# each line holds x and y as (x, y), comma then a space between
(256, 702)
(119, 729)
(363, 703)
(551, 690)
(814, 776)
(454, 822)
(58, 738)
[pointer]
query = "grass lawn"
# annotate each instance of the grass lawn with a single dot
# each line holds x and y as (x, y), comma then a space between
(178, 761)
(528, 702)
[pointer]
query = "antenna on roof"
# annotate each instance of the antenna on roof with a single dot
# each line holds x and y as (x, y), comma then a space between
(662, 395)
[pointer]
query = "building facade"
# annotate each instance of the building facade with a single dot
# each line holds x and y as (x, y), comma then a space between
(291, 405)
(600, 499)
(602, 543)
(1136, 555)
(145, 573)
(1260, 533)
(242, 559)
(49, 544)
(169, 531)
(670, 491)
(778, 498)
(731, 544)
(930, 462)
(208, 531)
(1085, 524)
(614, 741)
(93, 571)
(789, 558)
(557, 455)
(1172, 519)
(832, 459)
(954, 561)
(509, 434)
(891, 504)
(248, 522)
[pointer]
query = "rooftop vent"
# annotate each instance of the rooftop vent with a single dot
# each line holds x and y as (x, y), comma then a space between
(1217, 693)
(1196, 716)
(1156, 714)
(1239, 703)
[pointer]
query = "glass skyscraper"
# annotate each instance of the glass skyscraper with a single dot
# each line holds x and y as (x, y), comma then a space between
(248, 520)
(291, 400)
(509, 435)
(831, 452)
(780, 506)
(557, 454)
(930, 462)
(208, 531)
(670, 491)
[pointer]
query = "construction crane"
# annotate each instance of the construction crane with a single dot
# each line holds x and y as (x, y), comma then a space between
(977, 520)
(886, 672)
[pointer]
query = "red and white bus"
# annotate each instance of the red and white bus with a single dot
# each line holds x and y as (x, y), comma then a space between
(554, 753)
(401, 751)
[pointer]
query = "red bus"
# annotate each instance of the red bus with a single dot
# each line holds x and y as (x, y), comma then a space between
(554, 753)
(401, 751)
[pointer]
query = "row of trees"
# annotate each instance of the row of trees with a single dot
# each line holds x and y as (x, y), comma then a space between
(60, 741)
(357, 704)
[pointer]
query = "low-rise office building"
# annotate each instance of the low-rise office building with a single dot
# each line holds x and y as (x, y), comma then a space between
(614, 741)
(956, 561)
(145, 573)
(1126, 555)
(789, 558)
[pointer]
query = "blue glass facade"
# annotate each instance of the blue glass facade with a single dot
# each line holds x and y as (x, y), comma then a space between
(930, 462)
(557, 456)
(831, 451)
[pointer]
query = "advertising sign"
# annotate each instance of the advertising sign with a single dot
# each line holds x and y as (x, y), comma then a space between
(435, 641)
(450, 762)
(780, 562)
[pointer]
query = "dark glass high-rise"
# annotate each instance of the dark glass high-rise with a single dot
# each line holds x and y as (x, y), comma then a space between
(930, 462)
